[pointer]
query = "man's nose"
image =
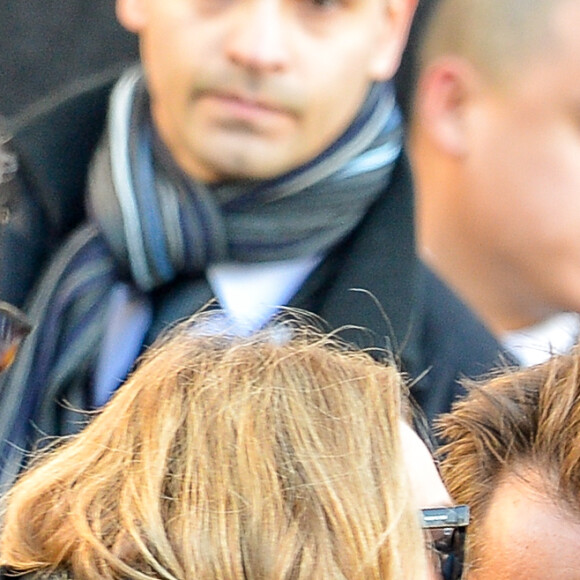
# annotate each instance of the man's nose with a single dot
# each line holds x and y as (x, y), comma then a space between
(258, 39)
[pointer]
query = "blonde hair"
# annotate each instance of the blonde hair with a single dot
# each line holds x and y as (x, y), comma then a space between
(229, 458)
(518, 423)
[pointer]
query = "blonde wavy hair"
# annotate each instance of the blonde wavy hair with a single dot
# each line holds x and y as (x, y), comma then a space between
(229, 458)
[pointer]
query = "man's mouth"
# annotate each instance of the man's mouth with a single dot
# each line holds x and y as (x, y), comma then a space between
(246, 108)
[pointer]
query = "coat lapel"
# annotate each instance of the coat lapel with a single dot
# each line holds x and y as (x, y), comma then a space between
(369, 280)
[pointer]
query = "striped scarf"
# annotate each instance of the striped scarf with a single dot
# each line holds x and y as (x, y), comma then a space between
(150, 225)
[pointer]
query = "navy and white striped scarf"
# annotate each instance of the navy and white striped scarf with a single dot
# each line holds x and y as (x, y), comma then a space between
(151, 224)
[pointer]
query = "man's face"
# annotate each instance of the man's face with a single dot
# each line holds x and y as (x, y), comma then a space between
(519, 204)
(525, 536)
(254, 88)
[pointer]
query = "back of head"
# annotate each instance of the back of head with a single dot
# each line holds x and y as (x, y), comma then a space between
(522, 423)
(495, 36)
(229, 458)
(465, 45)
(495, 84)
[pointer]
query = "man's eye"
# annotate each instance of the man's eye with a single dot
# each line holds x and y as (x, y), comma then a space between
(323, 5)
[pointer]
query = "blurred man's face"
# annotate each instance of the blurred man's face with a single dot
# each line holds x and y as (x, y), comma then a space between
(517, 207)
(525, 536)
(254, 88)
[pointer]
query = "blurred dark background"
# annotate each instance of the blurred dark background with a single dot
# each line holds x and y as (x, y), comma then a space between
(45, 44)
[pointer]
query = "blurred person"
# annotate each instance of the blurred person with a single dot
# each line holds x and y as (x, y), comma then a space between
(281, 455)
(512, 452)
(495, 149)
(254, 158)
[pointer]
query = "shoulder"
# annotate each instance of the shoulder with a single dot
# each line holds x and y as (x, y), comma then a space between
(455, 345)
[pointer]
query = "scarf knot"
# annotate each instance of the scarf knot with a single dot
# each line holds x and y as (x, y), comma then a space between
(160, 223)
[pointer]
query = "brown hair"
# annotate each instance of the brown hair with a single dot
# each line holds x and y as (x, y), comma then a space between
(518, 422)
(231, 458)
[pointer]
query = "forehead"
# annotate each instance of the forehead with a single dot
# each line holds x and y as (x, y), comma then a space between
(525, 536)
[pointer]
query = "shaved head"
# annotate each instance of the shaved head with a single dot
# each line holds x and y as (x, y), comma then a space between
(494, 142)
(494, 35)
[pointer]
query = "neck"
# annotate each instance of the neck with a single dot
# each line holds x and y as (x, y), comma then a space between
(492, 294)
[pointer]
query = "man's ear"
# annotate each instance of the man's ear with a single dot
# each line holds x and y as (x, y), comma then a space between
(132, 14)
(441, 105)
(398, 17)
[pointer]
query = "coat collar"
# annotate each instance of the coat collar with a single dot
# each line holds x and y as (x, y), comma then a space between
(369, 281)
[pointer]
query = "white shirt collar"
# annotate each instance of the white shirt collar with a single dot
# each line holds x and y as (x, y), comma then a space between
(252, 293)
(535, 344)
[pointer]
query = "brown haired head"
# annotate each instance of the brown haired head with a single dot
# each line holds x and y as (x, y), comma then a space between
(524, 424)
(226, 457)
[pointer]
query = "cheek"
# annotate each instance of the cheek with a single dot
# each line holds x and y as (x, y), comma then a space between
(172, 64)
(541, 190)
(323, 63)
(524, 179)
(176, 46)
(162, 59)
(330, 106)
